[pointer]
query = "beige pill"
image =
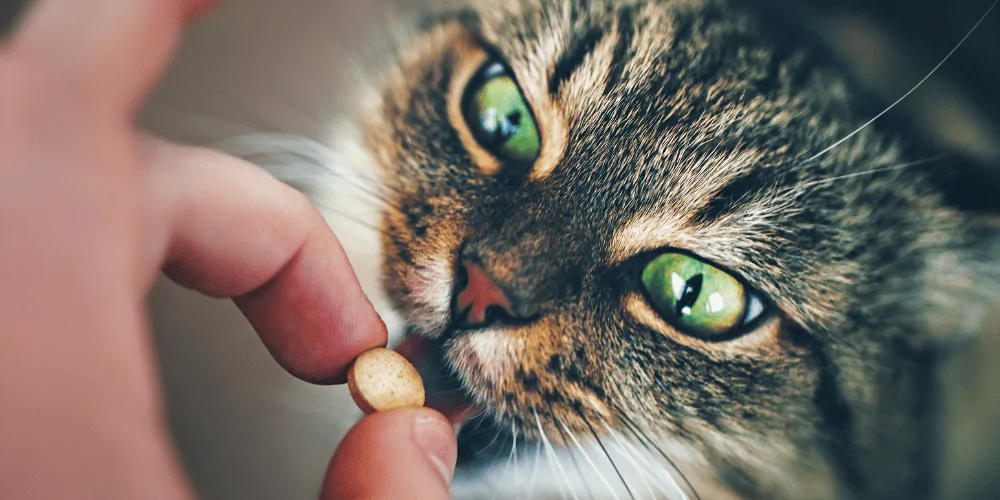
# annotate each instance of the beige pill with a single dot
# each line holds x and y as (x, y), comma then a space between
(382, 379)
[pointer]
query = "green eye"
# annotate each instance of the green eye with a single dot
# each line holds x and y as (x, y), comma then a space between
(699, 298)
(499, 116)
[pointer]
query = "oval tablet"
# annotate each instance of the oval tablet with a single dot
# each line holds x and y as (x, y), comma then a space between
(382, 379)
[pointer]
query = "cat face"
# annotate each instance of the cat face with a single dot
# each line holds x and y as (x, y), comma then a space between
(628, 194)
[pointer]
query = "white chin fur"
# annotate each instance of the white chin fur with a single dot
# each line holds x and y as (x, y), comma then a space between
(494, 353)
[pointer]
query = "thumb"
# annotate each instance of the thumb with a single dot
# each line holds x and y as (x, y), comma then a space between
(399, 454)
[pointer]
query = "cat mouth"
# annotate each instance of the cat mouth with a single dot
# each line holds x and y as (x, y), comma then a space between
(479, 442)
(445, 392)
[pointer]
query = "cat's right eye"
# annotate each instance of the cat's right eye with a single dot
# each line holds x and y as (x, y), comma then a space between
(498, 114)
(698, 298)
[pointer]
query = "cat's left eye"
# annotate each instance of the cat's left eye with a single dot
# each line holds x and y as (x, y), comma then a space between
(698, 298)
(499, 116)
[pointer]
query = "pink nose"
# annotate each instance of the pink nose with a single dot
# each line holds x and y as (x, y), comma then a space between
(473, 303)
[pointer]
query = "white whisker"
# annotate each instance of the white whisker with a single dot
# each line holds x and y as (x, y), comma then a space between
(534, 469)
(589, 461)
(513, 447)
(650, 445)
(510, 458)
(628, 456)
(488, 446)
(668, 480)
(900, 166)
(915, 87)
(552, 456)
(648, 462)
(607, 454)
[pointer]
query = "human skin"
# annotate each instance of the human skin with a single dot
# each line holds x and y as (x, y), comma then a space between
(91, 210)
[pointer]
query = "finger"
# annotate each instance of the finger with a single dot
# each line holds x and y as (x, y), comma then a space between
(401, 454)
(235, 231)
(108, 53)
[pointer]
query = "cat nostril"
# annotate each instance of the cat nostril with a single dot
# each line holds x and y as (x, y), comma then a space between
(479, 301)
(461, 277)
(495, 314)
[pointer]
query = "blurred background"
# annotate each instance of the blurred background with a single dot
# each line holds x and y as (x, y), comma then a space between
(247, 430)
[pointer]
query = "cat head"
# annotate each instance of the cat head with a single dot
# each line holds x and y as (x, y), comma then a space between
(636, 218)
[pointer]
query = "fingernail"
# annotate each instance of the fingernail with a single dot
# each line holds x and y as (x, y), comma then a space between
(435, 437)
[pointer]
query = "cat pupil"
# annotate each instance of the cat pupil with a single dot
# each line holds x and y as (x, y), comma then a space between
(501, 127)
(689, 295)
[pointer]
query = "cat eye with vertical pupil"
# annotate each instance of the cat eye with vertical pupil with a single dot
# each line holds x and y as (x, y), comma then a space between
(499, 116)
(698, 298)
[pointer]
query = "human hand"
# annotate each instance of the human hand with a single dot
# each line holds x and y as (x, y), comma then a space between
(91, 210)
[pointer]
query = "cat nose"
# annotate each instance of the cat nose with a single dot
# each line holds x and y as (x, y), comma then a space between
(480, 301)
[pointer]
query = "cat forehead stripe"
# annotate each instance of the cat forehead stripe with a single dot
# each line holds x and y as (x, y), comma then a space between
(740, 190)
(579, 76)
(573, 59)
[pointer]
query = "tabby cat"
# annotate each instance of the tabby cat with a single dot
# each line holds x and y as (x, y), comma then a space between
(659, 247)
